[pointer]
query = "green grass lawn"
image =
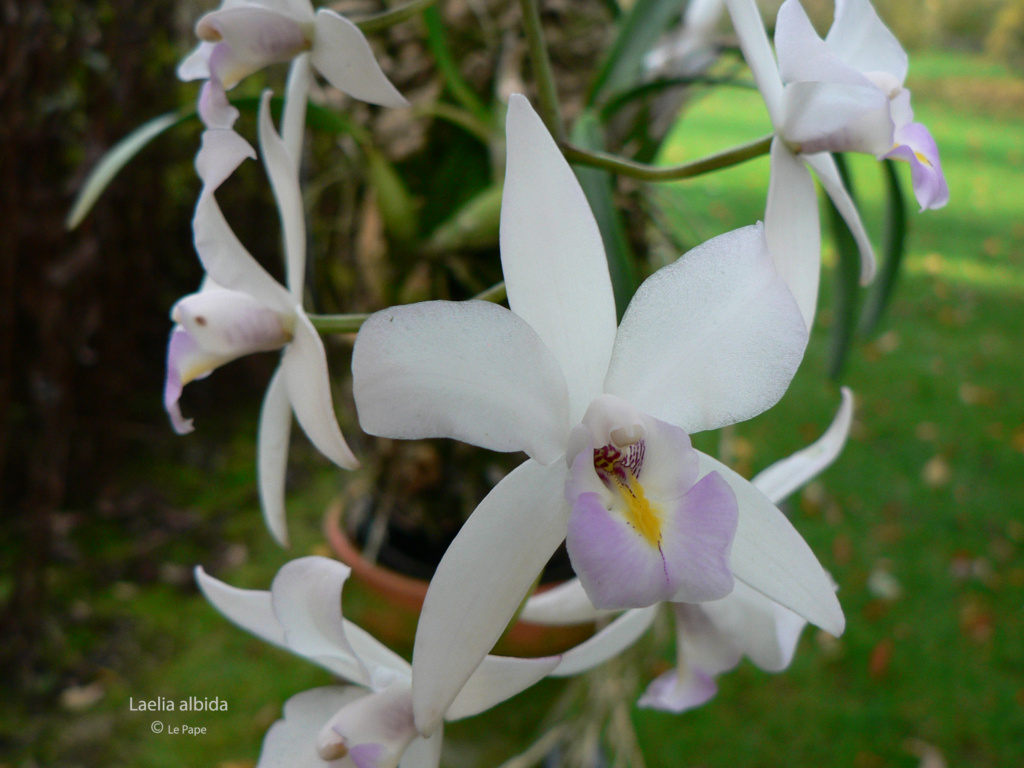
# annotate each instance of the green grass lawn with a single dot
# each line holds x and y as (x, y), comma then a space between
(921, 521)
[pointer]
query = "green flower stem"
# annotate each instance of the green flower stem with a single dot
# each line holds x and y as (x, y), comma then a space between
(645, 172)
(326, 324)
(496, 294)
(389, 18)
(546, 90)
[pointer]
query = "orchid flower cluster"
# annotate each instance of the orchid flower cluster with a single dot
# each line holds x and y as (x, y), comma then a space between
(604, 410)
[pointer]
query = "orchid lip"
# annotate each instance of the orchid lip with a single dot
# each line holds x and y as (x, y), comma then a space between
(643, 527)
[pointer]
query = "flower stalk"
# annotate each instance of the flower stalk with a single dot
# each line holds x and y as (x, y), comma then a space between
(326, 324)
(645, 172)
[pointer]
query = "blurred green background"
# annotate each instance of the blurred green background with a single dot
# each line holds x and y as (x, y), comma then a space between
(106, 512)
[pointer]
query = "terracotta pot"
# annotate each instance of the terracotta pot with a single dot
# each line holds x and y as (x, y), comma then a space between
(387, 603)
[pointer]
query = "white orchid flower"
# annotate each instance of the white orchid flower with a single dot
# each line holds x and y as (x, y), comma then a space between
(712, 637)
(244, 36)
(841, 94)
(842, 76)
(242, 309)
(603, 413)
(370, 723)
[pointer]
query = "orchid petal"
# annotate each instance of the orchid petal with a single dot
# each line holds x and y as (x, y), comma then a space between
(385, 665)
(761, 628)
(306, 595)
(481, 580)
(291, 741)
(309, 390)
(701, 642)
(283, 172)
(272, 455)
(769, 555)
(296, 101)
(621, 568)
(220, 153)
(837, 117)
(677, 692)
(916, 145)
(617, 566)
(196, 66)
(610, 641)
(564, 604)
(250, 609)
(825, 167)
(299, 10)
(186, 361)
(902, 112)
(252, 38)
(215, 111)
(214, 327)
(699, 562)
(229, 323)
(862, 40)
(496, 679)
(641, 531)
(746, 20)
(804, 56)
(553, 258)
(783, 477)
(374, 730)
(228, 262)
(471, 370)
(792, 229)
(703, 650)
(424, 753)
(711, 339)
(343, 56)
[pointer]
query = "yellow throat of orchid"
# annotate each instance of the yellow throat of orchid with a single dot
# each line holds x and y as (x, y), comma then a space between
(640, 513)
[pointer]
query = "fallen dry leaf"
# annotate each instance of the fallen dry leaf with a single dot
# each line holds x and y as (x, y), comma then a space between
(884, 585)
(79, 697)
(936, 472)
(930, 755)
(972, 394)
(976, 622)
(881, 658)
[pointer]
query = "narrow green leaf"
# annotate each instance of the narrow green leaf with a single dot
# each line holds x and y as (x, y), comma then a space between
(463, 92)
(396, 205)
(847, 282)
(473, 226)
(117, 158)
(599, 188)
(639, 30)
(895, 242)
(126, 149)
